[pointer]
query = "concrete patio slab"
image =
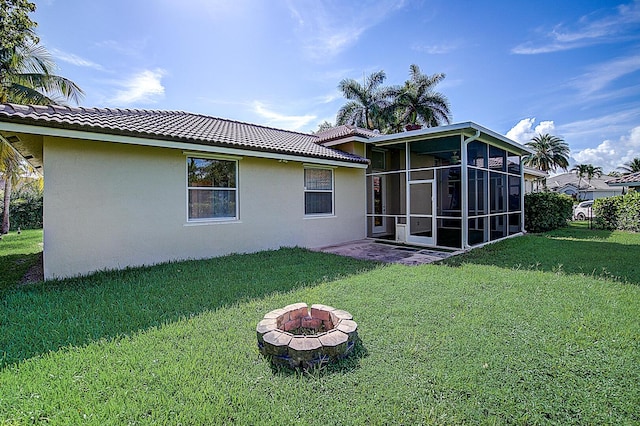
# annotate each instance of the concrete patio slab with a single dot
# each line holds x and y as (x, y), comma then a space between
(387, 252)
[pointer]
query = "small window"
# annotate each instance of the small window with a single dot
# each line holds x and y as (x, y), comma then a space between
(212, 188)
(318, 191)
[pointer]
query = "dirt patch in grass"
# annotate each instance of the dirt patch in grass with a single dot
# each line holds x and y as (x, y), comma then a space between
(34, 274)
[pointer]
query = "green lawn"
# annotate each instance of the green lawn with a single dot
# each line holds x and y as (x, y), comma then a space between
(522, 331)
(18, 253)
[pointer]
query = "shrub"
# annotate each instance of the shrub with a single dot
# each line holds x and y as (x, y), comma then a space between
(545, 211)
(619, 212)
(605, 211)
(25, 210)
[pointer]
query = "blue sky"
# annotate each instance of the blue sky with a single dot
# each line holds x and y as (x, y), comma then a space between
(570, 67)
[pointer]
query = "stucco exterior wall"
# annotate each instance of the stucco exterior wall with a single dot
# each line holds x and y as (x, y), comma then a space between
(109, 206)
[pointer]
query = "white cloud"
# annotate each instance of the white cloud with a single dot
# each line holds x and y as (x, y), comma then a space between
(524, 131)
(601, 75)
(528, 49)
(281, 121)
(435, 49)
(144, 87)
(616, 123)
(132, 47)
(76, 60)
(608, 154)
(329, 97)
(586, 31)
(612, 154)
(634, 138)
(328, 28)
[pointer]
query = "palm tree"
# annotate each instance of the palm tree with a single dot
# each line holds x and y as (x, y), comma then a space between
(550, 152)
(418, 103)
(593, 172)
(12, 168)
(632, 166)
(581, 171)
(369, 103)
(26, 78)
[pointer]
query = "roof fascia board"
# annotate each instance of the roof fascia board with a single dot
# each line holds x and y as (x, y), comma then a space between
(632, 183)
(448, 130)
(534, 172)
(340, 141)
(161, 143)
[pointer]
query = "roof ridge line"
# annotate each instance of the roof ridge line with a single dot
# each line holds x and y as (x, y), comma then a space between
(125, 111)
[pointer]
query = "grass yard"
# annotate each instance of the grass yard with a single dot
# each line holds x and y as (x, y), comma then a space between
(525, 331)
(18, 253)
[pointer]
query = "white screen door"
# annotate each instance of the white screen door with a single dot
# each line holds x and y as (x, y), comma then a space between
(379, 204)
(421, 200)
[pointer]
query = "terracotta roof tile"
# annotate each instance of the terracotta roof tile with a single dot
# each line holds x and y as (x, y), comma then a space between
(630, 178)
(343, 131)
(175, 125)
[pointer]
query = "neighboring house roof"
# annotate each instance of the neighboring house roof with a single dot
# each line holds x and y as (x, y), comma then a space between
(571, 179)
(533, 172)
(177, 126)
(632, 179)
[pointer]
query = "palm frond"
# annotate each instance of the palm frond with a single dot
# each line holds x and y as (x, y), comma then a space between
(632, 166)
(351, 113)
(550, 152)
(26, 76)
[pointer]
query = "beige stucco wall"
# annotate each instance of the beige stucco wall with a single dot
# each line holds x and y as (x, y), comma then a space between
(109, 206)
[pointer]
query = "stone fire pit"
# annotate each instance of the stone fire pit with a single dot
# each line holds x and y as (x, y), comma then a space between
(297, 336)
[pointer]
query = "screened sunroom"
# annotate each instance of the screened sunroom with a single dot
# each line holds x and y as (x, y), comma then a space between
(453, 186)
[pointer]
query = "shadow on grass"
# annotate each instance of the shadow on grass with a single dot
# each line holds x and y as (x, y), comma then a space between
(561, 251)
(581, 231)
(73, 312)
(13, 267)
(345, 365)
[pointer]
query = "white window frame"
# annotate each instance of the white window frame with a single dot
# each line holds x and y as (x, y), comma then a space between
(331, 191)
(199, 156)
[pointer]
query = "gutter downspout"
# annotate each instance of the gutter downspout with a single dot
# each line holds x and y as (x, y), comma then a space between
(522, 189)
(464, 177)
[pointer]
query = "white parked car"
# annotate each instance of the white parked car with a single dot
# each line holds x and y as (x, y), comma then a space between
(583, 211)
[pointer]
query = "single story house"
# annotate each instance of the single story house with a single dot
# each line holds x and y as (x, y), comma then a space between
(128, 187)
(582, 189)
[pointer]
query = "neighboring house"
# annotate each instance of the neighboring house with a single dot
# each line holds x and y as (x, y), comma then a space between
(534, 179)
(582, 189)
(136, 187)
(631, 180)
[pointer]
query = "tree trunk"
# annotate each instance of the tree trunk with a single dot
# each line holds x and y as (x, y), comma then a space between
(7, 202)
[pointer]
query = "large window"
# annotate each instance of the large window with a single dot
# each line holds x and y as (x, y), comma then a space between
(318, 191)
(212, 187)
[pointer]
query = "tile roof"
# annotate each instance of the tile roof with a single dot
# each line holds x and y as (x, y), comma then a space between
(343, 131)
(175, 126)
(561, 180)
(631, 178)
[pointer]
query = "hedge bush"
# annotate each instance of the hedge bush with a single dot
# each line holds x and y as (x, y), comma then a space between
(605, 211)
(25, 210)
(545, 211)
(618, 212)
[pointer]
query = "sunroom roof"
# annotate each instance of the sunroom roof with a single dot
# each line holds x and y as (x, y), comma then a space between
(468, 129)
